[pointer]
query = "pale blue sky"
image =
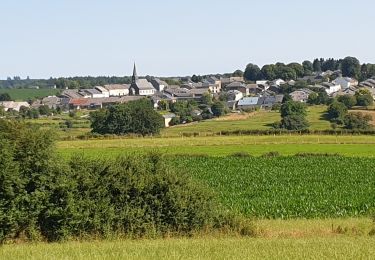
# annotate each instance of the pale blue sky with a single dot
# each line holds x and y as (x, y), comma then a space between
(43, 38)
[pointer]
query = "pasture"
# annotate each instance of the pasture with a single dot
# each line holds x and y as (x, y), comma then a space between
(26, 94)
(348, 145)
(287, 239)
(260, 120)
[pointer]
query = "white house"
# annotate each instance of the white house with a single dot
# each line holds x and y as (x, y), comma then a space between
(345, 82)
(117, 90)
(331, 88)
(11, 105)
(261, 82)
(92, 93)
(301, 95)
(235, 95)
(104, 91)
(278, 82)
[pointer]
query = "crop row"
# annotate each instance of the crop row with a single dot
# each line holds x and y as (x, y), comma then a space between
(288, 187)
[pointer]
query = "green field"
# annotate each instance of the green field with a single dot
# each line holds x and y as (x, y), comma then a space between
(287, 239)
(225, 145)
(260, 120)
(25, 94)
(288, 187)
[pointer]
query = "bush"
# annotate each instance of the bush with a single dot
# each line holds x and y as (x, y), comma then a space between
(337, 112)
(294, 122)
(272, 154)
(241, 155)
(43, 197)
(357, 121)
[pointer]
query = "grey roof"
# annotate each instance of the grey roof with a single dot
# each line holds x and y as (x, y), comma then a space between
(116, 86)
(235, 84)
(143, 84)
(248, 101)
(92, 91)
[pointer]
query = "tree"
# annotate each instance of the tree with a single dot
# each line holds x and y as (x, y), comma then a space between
(317, 65)
(5, 97)
(252, 72)
(196, 78)
(348, 100)
(285, 72)
(364, 97)
(293, 116)
(44, 110)
(365, 100)
(294, 122)
(307, 67)
(357, 121)
(337, 112)
(218, 109)
(351, 67)
(206, 99)
(268, 72)
(238, 73)
(298, 68)
(291, 108)
(136, 117)
(313, 99)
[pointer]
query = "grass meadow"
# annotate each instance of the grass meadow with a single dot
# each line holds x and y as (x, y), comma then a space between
(286, 239)
(25, 94)
(347, 145)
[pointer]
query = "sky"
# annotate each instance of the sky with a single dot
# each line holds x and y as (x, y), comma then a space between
(62, 38)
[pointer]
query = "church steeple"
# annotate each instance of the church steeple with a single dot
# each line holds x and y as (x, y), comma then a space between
(135, 76)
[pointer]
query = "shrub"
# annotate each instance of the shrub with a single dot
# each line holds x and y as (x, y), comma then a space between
(272, 154)
(241, 155)
(357, 121)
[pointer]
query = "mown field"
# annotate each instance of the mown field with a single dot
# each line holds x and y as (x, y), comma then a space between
(286, 239)
(358, 146)
(260, 120)
(288, 187)
(25, 94)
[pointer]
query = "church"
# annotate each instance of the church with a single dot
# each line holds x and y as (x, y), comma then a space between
(140, 87)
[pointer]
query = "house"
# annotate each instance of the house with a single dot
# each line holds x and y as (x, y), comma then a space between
(261, 82)
(140, 87)
(267, 102)
(93, 93)
(213, 83)
(369, 83)
(234, 95)
(248, 102)
(238, 86)
(278, 82)
(331, 88)
(158, 84)
(117, 90)
(13, 106)
(227, 81)
(85, 103)
(103, 90)
(301, 95)
(345, 82)
(348, 91)
(168, 118)
(71, 93)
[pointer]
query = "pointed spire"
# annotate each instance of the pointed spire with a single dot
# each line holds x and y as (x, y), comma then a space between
(135, 76)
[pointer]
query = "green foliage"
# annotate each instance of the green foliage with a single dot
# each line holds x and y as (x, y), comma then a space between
(218, 109)
(351, 67)
(44, 110)
(364, 98)
(252, 72)
(293, 116)
(5, 97)
(292, 108)
(357, 121)
(336, 112)
(289, 187)
(137, 117)
(348, 100)
(294, 122)
(43, 197)
(238, 73)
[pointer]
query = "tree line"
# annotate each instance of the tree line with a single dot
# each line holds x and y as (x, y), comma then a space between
(62, 82)
(349, 66)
